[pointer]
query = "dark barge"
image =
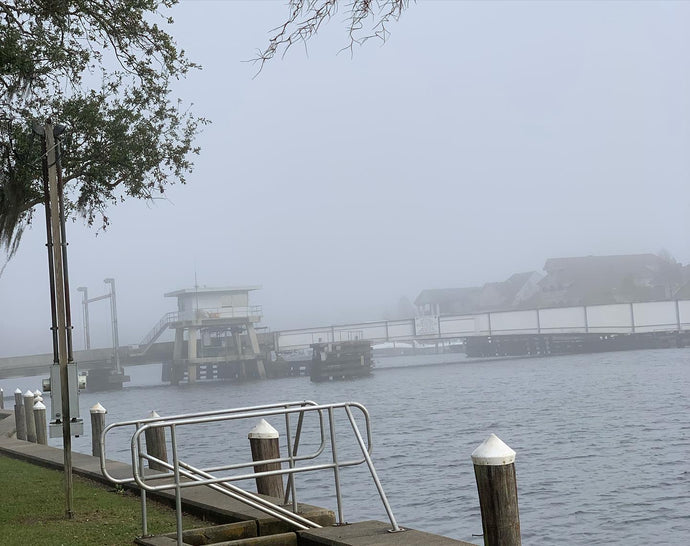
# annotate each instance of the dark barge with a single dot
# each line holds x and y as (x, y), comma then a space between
(341, 360)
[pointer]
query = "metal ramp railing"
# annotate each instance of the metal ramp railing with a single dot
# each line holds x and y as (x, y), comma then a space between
(155, 332)
(179, 475)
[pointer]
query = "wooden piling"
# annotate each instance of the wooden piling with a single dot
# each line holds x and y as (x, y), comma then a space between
(41, 424)
(494, 469)
(264, 443)
(97, 425)
(19, 415)
(155, 445)
(2, 399)
(29, 416)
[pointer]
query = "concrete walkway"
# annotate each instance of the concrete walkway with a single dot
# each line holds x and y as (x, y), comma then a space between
(218, 508)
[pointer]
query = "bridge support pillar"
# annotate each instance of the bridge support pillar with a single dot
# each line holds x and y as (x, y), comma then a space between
(254, 342)
(175, 366)
(191, 355)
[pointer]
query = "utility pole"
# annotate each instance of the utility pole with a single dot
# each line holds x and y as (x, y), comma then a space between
(59, 292)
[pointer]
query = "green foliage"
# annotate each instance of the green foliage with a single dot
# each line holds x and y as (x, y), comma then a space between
(33, 510)
(104, 70)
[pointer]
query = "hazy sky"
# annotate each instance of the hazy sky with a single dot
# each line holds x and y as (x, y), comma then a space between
(480, 140)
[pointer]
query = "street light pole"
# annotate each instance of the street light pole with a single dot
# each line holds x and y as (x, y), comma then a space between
(85, 314)
(113, 315)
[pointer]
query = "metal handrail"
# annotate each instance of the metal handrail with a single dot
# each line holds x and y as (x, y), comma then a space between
(184, 475)
(157, 330)
(212, 413)
(140, 465)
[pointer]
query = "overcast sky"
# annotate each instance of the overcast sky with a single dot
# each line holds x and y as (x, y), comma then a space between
(480, 140)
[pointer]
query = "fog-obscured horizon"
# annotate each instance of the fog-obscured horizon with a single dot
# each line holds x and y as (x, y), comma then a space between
(480, 140)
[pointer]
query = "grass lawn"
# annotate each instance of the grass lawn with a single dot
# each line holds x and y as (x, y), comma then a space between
(32, 510)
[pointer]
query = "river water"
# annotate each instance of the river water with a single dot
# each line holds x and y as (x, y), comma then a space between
(602, 441)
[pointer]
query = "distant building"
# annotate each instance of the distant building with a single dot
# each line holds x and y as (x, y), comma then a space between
(448, 301)
(508, 294)
(591, 280)
(511, 293)
(219, 327)
(575, 281)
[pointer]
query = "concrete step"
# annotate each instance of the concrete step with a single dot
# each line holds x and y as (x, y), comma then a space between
(242, 533)
(281, 539)
(191, 539)
(372, 533)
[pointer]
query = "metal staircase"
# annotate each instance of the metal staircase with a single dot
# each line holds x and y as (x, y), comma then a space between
(155, 333)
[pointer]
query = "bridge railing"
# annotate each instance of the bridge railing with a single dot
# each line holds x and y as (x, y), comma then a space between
(617, 318)
(220, 313)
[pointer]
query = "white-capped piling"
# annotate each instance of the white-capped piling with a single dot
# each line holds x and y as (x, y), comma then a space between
(2, 399)
(19, 415)
(155, 444)
(29, 416)
(494, 469)
(41, 424)
(97, 425)
(264, 443)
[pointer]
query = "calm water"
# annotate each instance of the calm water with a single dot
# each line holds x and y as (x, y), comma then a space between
(602, 441)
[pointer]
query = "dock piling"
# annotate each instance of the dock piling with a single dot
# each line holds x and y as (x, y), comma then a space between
(19, 415)
(264, 443)
(155, 445)
(29, 416)
(40, 423)
(97, 425)
(2, 399)
(494, 469)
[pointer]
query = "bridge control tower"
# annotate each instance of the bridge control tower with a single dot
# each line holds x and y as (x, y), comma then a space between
(219, 327)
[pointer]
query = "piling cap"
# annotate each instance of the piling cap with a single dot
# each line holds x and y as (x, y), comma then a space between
(39, 406)
(493, 452)
(263, 431)
(38, 393)
(18, 391)
(98, 408)
(153, 414)
(28, 393)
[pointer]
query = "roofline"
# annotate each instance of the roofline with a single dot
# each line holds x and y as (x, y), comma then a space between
(211, 290)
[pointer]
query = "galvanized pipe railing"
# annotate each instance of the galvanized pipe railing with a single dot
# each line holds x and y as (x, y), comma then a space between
(181, 475)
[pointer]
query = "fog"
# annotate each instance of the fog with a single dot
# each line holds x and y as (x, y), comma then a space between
(481, 139)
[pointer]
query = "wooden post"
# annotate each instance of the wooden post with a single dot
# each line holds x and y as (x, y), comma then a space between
(494, 469)
(97, 425)
(155, 445)
(40, 423)
(263, 439)
(29, 416)
(2, 399)
(19, 415)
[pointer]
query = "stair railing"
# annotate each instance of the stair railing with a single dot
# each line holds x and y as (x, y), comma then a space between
(180, 475)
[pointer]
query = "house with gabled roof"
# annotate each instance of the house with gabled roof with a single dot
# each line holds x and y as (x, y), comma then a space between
(507, 294)
(511, 293)
(591, 280)
(448, 301)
